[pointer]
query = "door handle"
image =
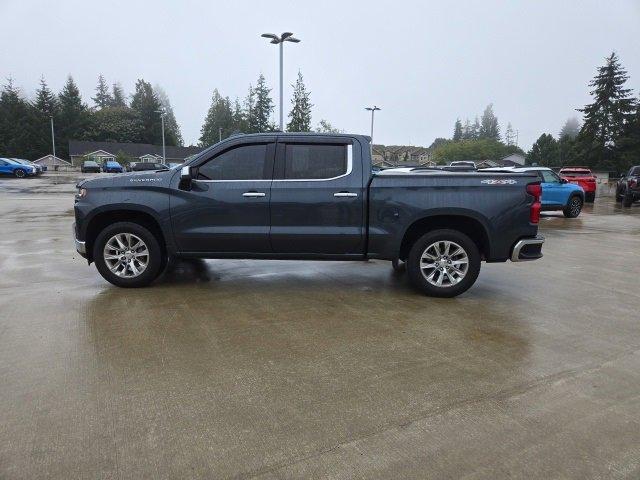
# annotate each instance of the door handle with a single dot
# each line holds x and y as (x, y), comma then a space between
(253, 194)
(345, 194)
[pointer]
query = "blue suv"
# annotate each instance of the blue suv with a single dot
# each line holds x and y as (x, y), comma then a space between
(112, 167)
(557, 193)
(11, 167)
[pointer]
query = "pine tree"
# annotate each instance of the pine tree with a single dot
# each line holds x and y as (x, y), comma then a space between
(300, 114)
(605, 119)
(118, 98)
(544, 152)
(250, 111)
(510, 135)
(457, 131)
(219, 121)
(45, 107)
(489, 127)
(239, 118)
(145, 102)
(117, 124)
(17, 120)
(629, 142)
(45, 102)
(103, 98)
(325, 127)
(171, 127)
(74, 120)
(570, 129)
(261, 116)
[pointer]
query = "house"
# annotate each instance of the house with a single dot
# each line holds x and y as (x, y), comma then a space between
(53, 163)
(487, 164)
(400, 155)
(79, 151)
(513, 160)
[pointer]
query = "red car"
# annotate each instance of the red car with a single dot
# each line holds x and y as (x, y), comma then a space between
(581, 176)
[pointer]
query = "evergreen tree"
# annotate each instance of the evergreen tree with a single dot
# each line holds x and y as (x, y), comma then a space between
(510, 135)
(326, 127)
(489, 125)
(219, 121)
(544, 152)
(171, 127)
(118, 98)
(117, 124)
(629, 143)
(74, 120)
(467, 130)
(45, 107)
(300, 114)
(605, 120)
(103, 98)
(250, 111)
(239, 118)
(457, 131)
(146, 103)
(570, 129)
(263, 106)
(17, 118)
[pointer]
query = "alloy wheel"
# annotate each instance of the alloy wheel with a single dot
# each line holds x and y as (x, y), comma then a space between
(444, 263)
(126, 255)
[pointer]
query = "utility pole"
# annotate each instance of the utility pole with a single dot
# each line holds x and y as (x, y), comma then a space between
(373, 111)
(285, 37)
(219, 134)
(53, 139)
(164, 155)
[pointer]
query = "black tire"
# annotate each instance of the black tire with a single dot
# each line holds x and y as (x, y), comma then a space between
(574, 207)
(627, 200)
(398, 265)
(19, 173)
(424, 243)
(155, 258)
(619, 195)
(590, 197)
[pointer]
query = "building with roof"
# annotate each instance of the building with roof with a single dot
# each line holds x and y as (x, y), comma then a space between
(101, 152)
(52, 163)
(513, 160)
(400, 155)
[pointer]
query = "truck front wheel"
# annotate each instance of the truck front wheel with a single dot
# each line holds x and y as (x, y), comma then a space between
(128, 255)
(443, 263)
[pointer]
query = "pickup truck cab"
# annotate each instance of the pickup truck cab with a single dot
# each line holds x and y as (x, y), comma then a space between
(628, 187)
(307, 196)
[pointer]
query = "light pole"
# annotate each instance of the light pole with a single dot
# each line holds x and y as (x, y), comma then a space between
(164, 156)
(53, 140)
(285, 37)
(373, 111)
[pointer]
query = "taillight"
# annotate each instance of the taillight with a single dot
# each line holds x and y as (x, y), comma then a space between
(535, 190)
(633, 182)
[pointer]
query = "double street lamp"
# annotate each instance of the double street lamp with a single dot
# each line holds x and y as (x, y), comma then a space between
(279, 40)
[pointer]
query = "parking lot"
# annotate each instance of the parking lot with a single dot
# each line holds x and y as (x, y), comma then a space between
(275, 369)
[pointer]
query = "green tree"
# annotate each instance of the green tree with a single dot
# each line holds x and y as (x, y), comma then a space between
(17, 120)
(250, 111)
(45, 101)
(325, 127)
(261, 116)
(239, 118)
(103, 98)
(457, 131)
(544, 152)
(146, 103)
(219, 121)
(473, 149)
(629, 142)
(117, 124)
(45, 106)
(510, 135)
(118, 98)
(74, 119)
(605, 120)
(171, 126)
(570, 129)
(300, 114)
(489, 127)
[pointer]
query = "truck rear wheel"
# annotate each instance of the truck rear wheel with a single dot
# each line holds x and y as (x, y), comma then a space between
(443, 263)
(128, 255)
(627, 200)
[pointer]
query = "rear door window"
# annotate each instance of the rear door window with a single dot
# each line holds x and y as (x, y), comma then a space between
(315, 161)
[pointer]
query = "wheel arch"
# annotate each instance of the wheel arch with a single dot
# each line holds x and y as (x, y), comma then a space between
(105, 218)
(468, 224)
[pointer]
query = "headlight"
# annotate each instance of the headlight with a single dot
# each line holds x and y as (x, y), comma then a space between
(82, 192)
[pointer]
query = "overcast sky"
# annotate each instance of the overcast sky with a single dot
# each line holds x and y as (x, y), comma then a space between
(425, 63)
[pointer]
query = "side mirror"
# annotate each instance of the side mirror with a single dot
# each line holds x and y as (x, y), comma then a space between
(564, 180)
(187, 174)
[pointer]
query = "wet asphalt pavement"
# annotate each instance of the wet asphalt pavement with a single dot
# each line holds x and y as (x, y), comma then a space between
(275, 369)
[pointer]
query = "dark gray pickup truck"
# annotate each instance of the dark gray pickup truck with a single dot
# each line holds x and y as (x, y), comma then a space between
(307, 196)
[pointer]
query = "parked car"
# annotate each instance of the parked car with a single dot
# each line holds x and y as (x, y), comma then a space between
(581, 176)
(9, 166)
(557, 193)
(628, 187)
(467, 164)
(38, 168)
(146, 166)
(89, 166)
(112, 166)
(308, 196)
